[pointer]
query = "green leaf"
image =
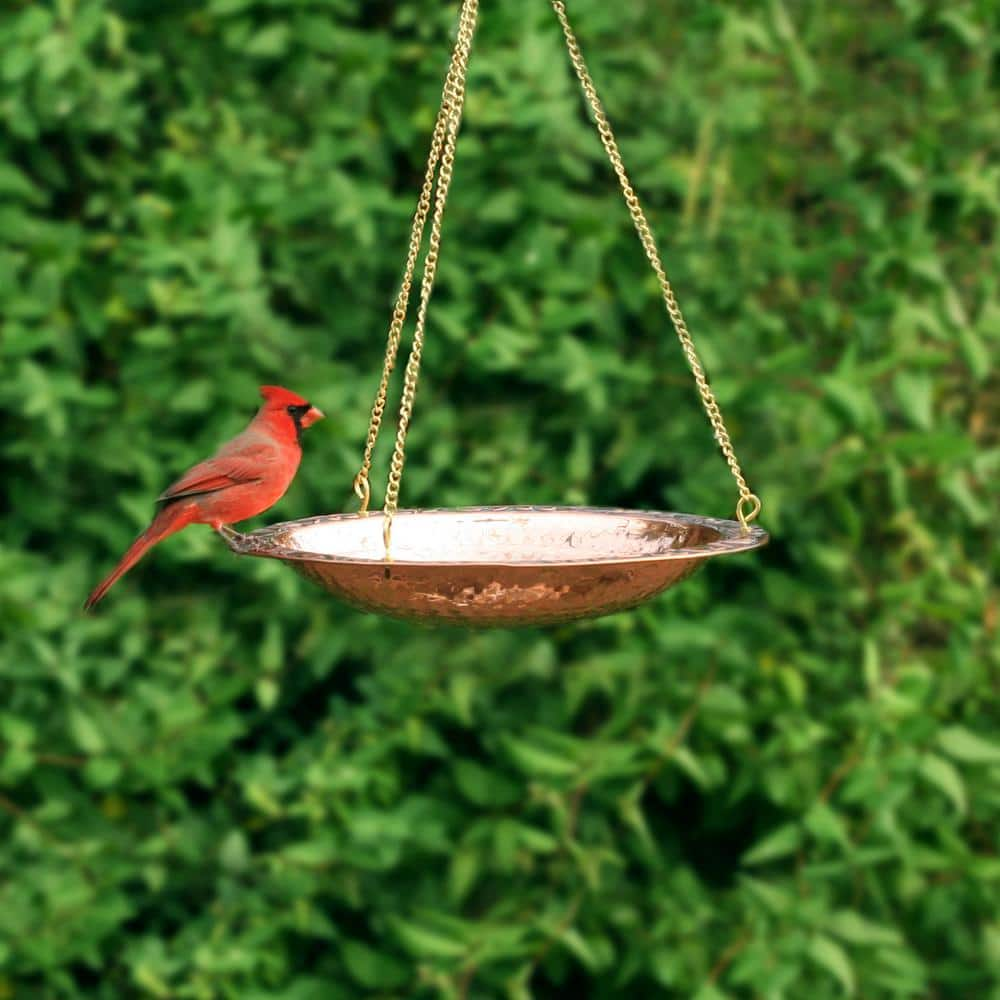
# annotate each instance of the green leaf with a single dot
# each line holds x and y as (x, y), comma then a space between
(269, 42)
(372, 968)
(778, 900)
(915, 395)
(312, 853)
(690, 765)
(964, 27)
(14, 182)
(777, 844)
(829, 955)
(428, 942)
(968, 747)
(85, 732)
(463, 871)
(852, 401)
(826, 825)
(945, 777)
(578, 945)
(956, 486)
(859, 930)
(103, 772)
(150, 981)
(539, 761)
(267, 691)
(484, 786)
(906, 173)
(975, 353)
(234, 851)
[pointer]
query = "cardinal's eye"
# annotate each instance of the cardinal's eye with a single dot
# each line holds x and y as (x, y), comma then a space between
(298, 412)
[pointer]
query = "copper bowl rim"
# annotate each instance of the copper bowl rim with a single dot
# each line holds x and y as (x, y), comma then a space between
(732, 538)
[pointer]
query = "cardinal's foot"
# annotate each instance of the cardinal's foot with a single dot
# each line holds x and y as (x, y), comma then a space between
(228, 534)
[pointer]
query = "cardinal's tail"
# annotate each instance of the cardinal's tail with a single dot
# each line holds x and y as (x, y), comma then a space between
(171, 518)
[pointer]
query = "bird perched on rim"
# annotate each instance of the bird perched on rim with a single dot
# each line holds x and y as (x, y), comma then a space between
(245, 477)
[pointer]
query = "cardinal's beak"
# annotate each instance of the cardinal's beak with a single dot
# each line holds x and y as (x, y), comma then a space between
(311, 415)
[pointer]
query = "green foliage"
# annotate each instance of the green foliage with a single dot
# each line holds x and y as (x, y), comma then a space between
(780, 780)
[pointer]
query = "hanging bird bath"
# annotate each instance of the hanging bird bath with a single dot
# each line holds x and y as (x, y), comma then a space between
(502, 566)
(485, 566)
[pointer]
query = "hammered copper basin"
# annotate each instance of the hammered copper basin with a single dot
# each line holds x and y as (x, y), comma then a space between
(500, 566)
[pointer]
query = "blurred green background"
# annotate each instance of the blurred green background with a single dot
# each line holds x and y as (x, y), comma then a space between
(781, 780)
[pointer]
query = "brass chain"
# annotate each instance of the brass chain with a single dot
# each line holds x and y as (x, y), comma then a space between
(454, 97)
(454, 84)
(437, 180)
(748, 506)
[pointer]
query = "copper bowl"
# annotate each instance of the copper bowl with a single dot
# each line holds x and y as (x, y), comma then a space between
(500, 566)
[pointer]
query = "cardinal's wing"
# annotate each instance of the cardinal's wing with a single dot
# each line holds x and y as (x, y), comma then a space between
(221, 471)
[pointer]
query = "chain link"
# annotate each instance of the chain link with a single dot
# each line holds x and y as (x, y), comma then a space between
(748, 506)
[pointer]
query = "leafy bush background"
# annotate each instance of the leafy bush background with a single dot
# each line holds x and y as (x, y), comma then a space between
(781, 780)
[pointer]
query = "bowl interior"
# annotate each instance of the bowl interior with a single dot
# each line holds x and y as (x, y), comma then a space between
(518, 535)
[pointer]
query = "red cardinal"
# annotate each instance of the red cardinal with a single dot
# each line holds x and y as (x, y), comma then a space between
(241, 480)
